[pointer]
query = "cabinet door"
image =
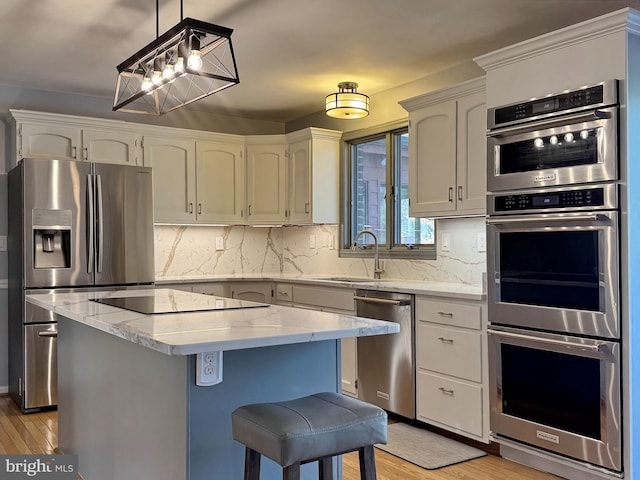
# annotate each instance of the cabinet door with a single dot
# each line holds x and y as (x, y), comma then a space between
(174, 183)
(105, 146)
(472, 154)
(48, 141)
(254, 292)
(266, 183)
(299, 211)
(432, 159)
(220, 180)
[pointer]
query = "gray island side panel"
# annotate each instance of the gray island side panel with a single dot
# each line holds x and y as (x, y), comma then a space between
(122, 408)
(265, 374)
(131, 412)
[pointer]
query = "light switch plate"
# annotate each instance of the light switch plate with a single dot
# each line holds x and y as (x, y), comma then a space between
(445, 242)
(312, 241)
(219, 243)
(482, 242)
(3, 243)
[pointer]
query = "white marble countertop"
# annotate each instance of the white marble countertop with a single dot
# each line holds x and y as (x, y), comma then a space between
(437, 289)
(206, 331)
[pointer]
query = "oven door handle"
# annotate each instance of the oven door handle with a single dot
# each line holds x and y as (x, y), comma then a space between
(596, 347)
(591, 217)
(562, 121)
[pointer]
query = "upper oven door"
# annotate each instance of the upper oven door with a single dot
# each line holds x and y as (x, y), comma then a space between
(567, 150)
(555, 272)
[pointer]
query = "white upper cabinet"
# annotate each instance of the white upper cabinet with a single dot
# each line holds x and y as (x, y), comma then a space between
(174, 178)
(447, 151)
(314, 181)
(266, 179)
(48, 141)
(45, 135)
(220, 183)
(111, 146)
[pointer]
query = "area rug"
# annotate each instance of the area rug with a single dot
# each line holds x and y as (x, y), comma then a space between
(426, 449)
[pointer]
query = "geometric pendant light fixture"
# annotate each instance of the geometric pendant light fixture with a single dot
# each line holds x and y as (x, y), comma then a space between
(192, 60)
(347, 102)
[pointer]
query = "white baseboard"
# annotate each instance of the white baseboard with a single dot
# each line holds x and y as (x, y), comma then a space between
(4, 389)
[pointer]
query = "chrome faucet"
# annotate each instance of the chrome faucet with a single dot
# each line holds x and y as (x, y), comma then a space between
(377, 268)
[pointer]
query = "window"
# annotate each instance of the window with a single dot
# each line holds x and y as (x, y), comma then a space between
(376, 189)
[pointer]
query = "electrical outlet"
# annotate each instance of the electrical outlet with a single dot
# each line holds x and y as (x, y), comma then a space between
(208, 368)
(219, 243)
(3, 243)
(312, 241)
(482, 242)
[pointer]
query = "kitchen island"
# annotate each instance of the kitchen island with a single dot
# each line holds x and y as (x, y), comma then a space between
(128, 402)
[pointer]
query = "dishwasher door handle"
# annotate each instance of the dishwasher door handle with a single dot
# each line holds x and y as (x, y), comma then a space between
(381, 301)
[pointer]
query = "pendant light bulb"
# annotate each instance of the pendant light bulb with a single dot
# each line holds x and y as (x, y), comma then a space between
(168, 72)
(147, 84)
(195, 60)
(156, 79)
(179, 66)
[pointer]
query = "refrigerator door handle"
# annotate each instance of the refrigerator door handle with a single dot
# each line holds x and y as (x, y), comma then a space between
(100, 223)
(90, 225)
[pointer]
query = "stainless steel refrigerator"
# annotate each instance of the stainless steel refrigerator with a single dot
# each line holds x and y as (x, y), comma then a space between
(72, 225)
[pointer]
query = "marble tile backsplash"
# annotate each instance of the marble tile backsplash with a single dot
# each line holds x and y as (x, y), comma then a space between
(182, 251)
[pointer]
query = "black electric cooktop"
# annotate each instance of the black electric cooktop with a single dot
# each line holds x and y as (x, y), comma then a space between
(175, 301)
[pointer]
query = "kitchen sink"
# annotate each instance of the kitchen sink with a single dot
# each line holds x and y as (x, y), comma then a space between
(358, 279)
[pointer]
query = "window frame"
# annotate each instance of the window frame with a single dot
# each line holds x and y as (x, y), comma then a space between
(388, 249)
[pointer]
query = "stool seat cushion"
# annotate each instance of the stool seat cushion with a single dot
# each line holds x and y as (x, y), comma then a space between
(310, 427)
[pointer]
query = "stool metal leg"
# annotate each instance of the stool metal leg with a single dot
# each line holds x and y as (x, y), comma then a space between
(292, 472)
(325, 468)
(367, 463)
(251, 464)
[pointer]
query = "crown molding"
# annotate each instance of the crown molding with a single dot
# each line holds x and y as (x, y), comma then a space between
(625, 19)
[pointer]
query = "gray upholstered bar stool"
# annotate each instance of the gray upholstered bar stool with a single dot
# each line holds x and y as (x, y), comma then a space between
(308, 429)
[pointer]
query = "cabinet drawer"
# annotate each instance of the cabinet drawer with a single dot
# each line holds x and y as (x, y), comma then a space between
(449, 402)
(334, 298)
(449, 313)
(449, 351)
(284, 292)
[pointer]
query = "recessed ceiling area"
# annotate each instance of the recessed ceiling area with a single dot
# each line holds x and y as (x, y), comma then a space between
(290, 53)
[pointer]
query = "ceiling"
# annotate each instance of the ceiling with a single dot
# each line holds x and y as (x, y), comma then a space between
(290, 53)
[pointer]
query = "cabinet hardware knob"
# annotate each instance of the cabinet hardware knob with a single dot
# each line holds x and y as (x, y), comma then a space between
(445, 314)
(446, 340)
(446, 391)
(199, 209)
(451, 194)
(74, 151)
(460, 193)
(306, 207)
(85, 151)
(190, 207)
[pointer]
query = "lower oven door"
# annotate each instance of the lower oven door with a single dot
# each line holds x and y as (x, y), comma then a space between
(558, 393)
(556, 272)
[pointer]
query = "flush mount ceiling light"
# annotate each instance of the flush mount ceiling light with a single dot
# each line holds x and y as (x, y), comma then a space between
(347, 102)
(191, 61)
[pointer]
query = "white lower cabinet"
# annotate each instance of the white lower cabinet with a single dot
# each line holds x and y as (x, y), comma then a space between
(451, 362)
(254, 292)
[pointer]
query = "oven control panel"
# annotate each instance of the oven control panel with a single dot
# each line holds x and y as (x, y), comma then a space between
(595, 96)
(567, 199)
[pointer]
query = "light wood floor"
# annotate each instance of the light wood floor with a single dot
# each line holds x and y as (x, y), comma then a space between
(37, 433)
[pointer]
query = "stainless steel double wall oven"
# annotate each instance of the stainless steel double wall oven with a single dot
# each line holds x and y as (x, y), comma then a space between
(553, 270)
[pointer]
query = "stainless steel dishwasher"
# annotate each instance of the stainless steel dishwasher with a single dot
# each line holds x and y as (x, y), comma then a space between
(386, 363)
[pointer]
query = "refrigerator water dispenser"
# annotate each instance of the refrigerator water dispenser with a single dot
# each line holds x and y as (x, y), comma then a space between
(51, 238)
